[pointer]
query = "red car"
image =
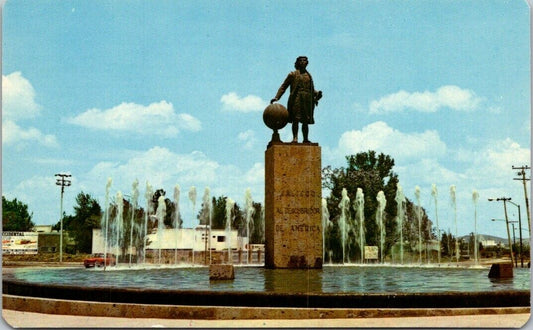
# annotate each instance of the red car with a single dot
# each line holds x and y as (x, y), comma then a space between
(97, 260)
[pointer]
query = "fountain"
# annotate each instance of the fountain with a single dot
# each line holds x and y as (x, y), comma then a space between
(359, 207)
(475, 198)
(192, 198)
(382, 202)
(434, 193)
(419, 221)
(118, 224)
(454, 207)
(249, 212)
(105, 218)
(134, 197)
(400, 201)
(326, 223)
(160, 215)
(344, 225)
(334, 287)
(207, 221)
(149, 209)
(229, 217)
(346, 286)
(176, 220)
(116, 239)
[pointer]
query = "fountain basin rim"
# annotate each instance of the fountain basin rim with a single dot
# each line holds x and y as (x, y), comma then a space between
(57, 306)
(449, 299)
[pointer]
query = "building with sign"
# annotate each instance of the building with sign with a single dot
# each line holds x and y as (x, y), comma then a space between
(19, 242)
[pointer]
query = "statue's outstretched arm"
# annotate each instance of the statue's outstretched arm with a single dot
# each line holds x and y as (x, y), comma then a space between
(283, 88)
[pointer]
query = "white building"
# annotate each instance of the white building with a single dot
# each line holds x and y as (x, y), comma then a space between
(42, 228)
(181, 239)
(488, 243)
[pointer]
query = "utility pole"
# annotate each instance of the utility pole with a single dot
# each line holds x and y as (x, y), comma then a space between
(524, 179)
(63, 182)
(504, 200)
(520, 232)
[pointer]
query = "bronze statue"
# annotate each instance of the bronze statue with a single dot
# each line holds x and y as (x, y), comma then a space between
(302, 99)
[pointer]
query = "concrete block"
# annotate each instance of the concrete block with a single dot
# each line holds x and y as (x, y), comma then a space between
(221, 272)
(501, 270)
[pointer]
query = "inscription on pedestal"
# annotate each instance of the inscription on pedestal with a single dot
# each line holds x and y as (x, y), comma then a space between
(293, 227)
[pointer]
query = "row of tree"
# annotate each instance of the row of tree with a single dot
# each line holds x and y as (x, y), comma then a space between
(369, 171)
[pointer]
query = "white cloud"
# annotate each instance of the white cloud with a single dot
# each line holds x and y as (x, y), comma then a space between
(249, 139)
(256, 175)
(18, 103)
(381, 137)
(425, 172)
(35, 185)
(53, 161)
(452, 97)
(42, 196)
(18, 98)
(492, 165)
(250, 103)
(158, 166)
(189, 122)
(13, 134)
(164, 169)
(156, 118)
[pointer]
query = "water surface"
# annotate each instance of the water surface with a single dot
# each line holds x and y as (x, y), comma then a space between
(331, 279)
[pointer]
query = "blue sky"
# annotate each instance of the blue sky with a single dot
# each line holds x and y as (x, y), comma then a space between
(172, 92)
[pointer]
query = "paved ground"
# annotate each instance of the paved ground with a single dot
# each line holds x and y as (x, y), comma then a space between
(28, 320)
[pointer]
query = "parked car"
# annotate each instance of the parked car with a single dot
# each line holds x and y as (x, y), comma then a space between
(98, 260)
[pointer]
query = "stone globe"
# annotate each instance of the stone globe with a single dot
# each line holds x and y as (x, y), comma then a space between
(275, 116)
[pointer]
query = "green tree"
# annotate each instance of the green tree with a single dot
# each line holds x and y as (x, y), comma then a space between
(219, 215)
(87, 215)
(257, 234)
(170, 209)
(15, 216)
(448, 245)
(219, 212)
(133, 227)
(372, 173)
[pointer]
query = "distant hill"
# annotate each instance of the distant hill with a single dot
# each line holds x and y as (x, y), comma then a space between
(498, 239)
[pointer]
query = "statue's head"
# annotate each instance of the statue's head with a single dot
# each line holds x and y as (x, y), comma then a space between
(301, 61)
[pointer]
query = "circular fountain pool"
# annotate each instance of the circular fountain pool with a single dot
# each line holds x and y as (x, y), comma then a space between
(331, 279)
(333, 286)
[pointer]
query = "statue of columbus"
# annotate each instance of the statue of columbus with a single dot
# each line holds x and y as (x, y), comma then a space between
(302, 99)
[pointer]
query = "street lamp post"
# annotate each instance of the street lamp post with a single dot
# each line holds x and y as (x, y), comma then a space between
(514, 243)
(512, 222)
(63, 182)
(520, 233)
(504, 200)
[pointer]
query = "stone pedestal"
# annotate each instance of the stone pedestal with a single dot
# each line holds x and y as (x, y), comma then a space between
(293, 202)
(221, 272)
(501, 270)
